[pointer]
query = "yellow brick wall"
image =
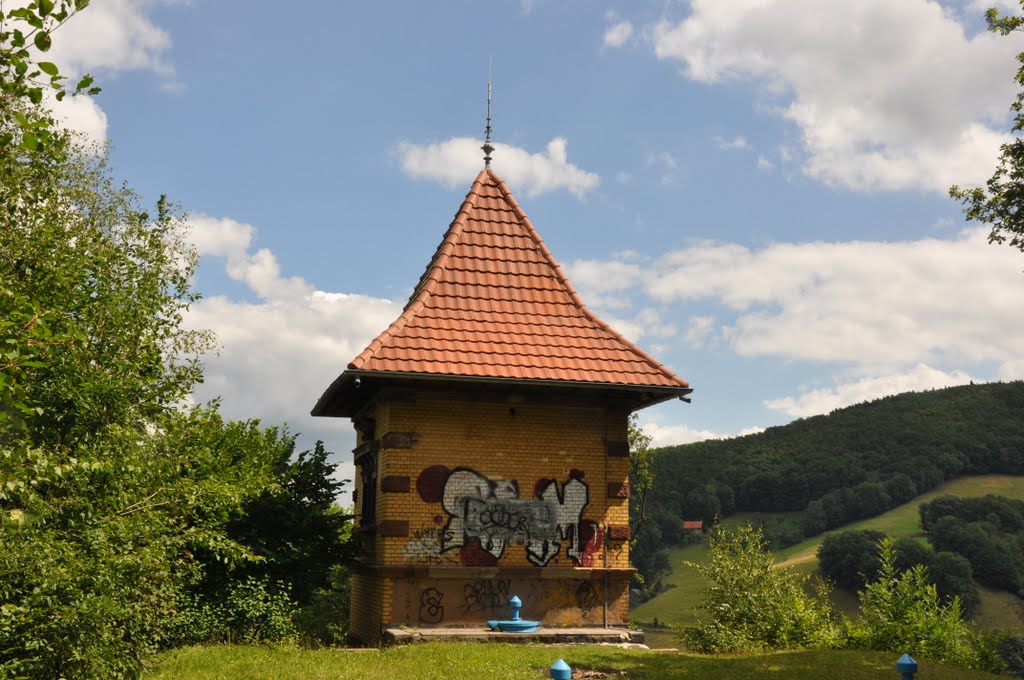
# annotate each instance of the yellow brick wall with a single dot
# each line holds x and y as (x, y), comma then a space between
(520, 442)
(507, 447)
(369, 605)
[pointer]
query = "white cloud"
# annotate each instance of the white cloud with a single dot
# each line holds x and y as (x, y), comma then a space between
(672, 434)
(873, 305)
(457, 161)
(886, 95)
(825, 400)
(112, 36)
(698, 331)
(81, 114)
(618, 34)
(105, 39)
(279, 353)
(224, 237)
(764, 164)
(734, 144)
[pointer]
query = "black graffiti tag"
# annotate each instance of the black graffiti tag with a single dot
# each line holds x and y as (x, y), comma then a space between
(431, 609)
(486, 595)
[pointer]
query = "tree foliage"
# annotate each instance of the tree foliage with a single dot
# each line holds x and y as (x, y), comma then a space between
(1000, 203)
(851, 559)
(641, 476)
(986, 531)
(853, 463)
(753, 604)
(901, 612)
(110, 490)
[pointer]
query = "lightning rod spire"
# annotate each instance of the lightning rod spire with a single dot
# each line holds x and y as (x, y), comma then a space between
(488, 147)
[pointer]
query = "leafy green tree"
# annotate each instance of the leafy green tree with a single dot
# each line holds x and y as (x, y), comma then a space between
(301, 537)
(25, 36)
(107, 488)
(850, 558)
(901, 612)
(755, 605)
(641, 476)
(999, 203)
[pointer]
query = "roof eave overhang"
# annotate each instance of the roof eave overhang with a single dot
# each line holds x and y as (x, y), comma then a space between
(349, 391)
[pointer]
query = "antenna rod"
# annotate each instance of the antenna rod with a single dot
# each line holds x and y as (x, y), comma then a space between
(488, 147)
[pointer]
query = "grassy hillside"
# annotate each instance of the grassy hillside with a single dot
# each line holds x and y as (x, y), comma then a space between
(444, 661)
(854, 463)
(998, 609)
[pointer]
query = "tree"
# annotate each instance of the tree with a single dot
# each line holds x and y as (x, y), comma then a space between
(1000, 202)
(850, 558)
(107, 488)
(755, 605)
(641, 475)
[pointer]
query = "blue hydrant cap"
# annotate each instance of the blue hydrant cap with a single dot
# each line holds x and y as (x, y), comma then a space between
(560, 670)
(906, 664)
(515, 602)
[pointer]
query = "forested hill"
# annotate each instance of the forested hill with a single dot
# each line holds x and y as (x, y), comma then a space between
(855, 462)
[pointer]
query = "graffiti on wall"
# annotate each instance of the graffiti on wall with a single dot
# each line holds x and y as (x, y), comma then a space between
(586, 597)
(486, 595)
(431, 609)
(485, 515)
(425, 545)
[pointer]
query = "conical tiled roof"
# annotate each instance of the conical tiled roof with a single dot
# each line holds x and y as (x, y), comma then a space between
(493, 304)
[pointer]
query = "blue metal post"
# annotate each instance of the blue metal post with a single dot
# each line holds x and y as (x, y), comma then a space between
(516, 605)
(906, 666)
(560, 670)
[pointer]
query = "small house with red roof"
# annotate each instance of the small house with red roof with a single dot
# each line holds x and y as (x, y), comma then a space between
(492, 456)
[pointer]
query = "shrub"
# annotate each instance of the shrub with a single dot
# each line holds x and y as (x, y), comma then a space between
(901, 612)
(754, 605)
(249, 611)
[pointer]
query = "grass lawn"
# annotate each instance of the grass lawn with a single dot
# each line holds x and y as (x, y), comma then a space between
(998, 609)
(451, 661)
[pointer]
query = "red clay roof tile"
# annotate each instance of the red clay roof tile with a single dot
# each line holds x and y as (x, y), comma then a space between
(493, 303)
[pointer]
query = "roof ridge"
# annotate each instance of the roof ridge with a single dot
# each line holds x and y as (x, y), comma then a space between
(573, 295)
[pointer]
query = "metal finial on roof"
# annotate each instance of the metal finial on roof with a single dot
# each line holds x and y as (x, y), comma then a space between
(488, 147)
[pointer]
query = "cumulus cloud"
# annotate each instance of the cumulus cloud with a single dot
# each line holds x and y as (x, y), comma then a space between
(886, 95)
(279, 352)
(877, 306)
(113, 36)
(824, 400)
(455, 162)
(81, 114)
(618, 34)
(672, 434)
(109, 38)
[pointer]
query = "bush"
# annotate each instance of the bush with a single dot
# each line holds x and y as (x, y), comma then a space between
(901, 612)
(249, 611)
(754, 605)
(1011, 652)
(324, 621)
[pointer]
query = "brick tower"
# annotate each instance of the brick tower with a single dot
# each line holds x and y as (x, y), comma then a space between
(491, 422)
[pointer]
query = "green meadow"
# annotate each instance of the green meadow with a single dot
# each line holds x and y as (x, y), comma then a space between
(675, 607)
(448, 661)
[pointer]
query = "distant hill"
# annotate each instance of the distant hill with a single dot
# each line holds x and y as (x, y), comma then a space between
(854, 463)
(675, 606)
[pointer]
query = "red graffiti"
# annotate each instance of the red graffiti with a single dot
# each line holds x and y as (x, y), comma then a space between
(430, 483)
(539, 487)
(473, 555)
(591, 540)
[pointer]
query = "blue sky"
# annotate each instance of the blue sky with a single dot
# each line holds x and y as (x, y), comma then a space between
(753, 190)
